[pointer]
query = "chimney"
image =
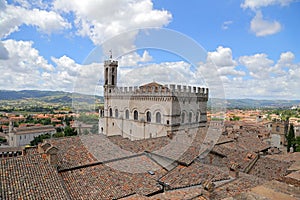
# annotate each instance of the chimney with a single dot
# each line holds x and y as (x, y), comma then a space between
(208, 185)
(51, 155)
(234, 170)
(43, 147)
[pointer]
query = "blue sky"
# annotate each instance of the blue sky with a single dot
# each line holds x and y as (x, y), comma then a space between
(252, 44)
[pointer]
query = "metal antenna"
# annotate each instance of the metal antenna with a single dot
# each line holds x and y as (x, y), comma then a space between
(110, 51)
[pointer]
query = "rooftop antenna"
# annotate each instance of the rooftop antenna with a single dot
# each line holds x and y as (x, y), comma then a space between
(110, 56)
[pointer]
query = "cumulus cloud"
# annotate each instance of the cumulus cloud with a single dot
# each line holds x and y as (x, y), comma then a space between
(259, 25)
(164, 73)
(23, 66)
(260, 78)
(3, 52)
(258, 65)
(134, 58)
(262, 27)
(116, 16)
(224, 62)
(258, 75)
(13, 16)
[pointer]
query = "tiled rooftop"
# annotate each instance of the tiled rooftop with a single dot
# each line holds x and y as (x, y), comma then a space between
(138, 164)
(96, 167)
(139, 146)
(270, 190)
(242, 157)
(30, 177)
(33, 129)
(102, 148)
(244, 183)
(71, 152)
(192, 175)
(269, 169)
(103, 182)
(184, 193)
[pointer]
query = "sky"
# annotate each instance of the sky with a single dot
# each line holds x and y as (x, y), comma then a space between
(250, 48)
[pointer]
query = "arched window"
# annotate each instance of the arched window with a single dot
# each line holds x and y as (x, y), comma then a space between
(190, 117)
(127, 114)
(182, 117)
(116, 113)
(110, 112)
(277, 128)
(135, 115)
(158, 117)
(148, 116)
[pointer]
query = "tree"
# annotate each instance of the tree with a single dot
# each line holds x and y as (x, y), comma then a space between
(39, 139)
(290, 138)
(70, 131)
(94, 128)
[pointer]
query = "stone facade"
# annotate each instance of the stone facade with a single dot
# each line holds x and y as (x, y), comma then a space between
(151, 110)
(279, 130)
(21, 136)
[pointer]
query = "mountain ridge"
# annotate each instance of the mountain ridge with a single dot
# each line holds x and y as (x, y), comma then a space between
(67, 98)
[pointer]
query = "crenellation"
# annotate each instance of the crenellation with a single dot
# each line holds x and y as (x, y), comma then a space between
(178, 88)
(166, 90)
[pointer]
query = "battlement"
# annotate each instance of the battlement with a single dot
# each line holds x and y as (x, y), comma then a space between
(110, 62)
(166, 90)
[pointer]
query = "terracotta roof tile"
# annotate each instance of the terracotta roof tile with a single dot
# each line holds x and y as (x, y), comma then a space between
(30, 177)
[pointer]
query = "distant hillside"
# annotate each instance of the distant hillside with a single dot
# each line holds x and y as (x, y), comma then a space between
(253, 103)
(47, 96)
(66, 99)
(45, 101)
(24, 94)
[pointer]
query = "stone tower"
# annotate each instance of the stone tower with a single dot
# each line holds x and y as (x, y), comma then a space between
(110, 75)
(110, 83)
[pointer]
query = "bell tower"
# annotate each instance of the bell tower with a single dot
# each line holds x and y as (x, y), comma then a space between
(110, 74)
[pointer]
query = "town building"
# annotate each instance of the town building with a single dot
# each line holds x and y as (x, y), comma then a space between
(151, 110)
(278, 132)
(21, 136)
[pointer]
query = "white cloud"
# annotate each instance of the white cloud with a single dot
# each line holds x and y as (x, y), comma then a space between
(164, 73)
(256, 4)
(259, 65)
(134, 58)
(262, 27)
(259, 25)
(26, 69)
(116, 16)
(22, 68)
(225, 64)
(286, 58)
(3, 52)
(14, 16)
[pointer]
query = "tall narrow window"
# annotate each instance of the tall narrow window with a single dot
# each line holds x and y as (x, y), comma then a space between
(190, 117)
(148, 116)
(106, 76)
(116, 113)
(127, 114)
(110, 112)
(158, 117)
(197, 117)
(112, 79)
(182, 117)
(135, 115)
